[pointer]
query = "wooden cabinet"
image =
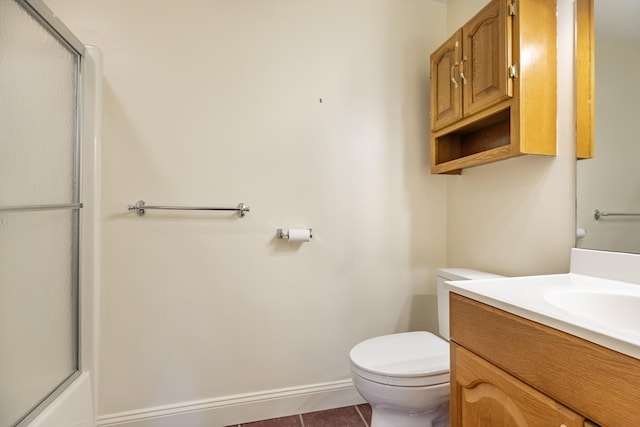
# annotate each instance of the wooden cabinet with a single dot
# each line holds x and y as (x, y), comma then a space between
(490, 397)
(510, 371)
(585, 79)
(486, 58)
(446, 92)
(469, 71)
(493, 87)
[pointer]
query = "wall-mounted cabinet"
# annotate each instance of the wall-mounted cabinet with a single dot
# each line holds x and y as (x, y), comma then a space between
(493, 87)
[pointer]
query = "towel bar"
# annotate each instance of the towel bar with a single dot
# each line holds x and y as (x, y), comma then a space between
(598, 214)
(141, 208)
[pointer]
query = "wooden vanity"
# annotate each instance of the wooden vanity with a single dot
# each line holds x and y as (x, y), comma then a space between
(508, 371)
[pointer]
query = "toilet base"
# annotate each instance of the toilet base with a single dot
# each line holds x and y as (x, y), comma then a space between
(437, 416)
(393, 406)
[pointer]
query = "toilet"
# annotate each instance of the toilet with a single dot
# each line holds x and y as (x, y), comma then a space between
(405, 376)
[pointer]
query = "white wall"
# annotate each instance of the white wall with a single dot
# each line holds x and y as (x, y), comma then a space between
(217, 102)
(460, 11)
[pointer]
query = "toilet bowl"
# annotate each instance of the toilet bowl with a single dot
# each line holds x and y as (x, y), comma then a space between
(405, 376)
(405, 379)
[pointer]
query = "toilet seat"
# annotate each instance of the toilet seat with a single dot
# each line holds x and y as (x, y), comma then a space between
(410, 359)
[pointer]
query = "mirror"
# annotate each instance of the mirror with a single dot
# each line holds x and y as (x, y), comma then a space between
(609, 181)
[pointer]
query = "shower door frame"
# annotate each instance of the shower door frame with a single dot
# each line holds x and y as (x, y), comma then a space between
(75, 399)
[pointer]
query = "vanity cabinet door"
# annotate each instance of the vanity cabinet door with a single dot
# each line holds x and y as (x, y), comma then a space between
(446, 86)
(486, 58)
(486, 396)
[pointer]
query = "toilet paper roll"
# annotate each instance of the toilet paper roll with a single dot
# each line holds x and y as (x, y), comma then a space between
(299, 234)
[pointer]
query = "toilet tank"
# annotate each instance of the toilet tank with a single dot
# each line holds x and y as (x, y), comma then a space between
(448, 274)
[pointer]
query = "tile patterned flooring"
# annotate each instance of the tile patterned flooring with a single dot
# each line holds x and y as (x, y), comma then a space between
(349, 416)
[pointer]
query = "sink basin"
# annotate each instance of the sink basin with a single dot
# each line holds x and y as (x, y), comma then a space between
(613, 310)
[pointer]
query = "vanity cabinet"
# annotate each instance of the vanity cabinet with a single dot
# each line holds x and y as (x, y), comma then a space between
(493, 87)
(510, 371)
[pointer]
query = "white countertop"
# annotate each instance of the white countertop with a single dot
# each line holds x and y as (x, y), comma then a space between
(525, 297)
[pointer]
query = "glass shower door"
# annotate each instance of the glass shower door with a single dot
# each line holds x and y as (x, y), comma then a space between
(39, 211)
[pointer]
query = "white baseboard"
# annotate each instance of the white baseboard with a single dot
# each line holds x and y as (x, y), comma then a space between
(230, 410)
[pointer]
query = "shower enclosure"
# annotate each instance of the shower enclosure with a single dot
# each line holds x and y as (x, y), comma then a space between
(41, 102)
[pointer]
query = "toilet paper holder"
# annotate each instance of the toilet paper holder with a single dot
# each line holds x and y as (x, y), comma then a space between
(285, 234)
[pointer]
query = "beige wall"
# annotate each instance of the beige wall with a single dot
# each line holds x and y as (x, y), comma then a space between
(217, 102)
(459, 12)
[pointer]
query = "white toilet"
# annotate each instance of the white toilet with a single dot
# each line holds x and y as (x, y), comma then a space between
(405, 376)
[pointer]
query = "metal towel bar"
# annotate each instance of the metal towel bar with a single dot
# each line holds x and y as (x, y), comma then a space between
(35, 208)
(141, 208)
(597, 214)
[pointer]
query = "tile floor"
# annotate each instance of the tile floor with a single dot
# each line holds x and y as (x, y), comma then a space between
(349, 416)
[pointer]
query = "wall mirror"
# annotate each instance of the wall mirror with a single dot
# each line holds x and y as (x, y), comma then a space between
(608, 177)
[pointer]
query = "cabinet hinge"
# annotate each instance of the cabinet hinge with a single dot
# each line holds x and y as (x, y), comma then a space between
(513, 71)
(513, 8)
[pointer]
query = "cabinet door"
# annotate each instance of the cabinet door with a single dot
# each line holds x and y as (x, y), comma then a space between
(486, 41)
(446, 88)
(489, 397)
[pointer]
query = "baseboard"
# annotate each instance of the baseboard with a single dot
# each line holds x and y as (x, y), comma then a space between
(242, 408)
